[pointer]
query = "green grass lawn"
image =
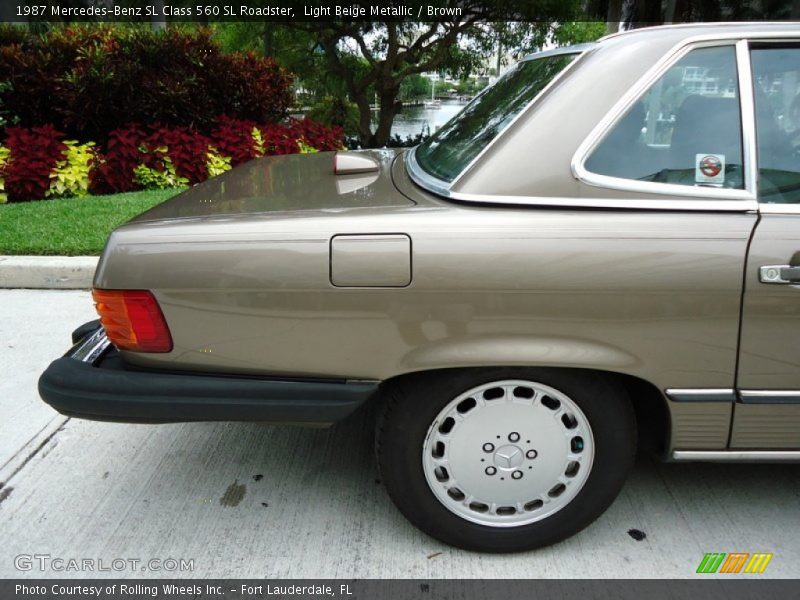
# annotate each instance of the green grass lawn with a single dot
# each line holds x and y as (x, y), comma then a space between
(71, 226)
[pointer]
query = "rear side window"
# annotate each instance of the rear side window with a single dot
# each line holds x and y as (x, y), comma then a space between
(448, 152)
(685, 130)
(776, 82)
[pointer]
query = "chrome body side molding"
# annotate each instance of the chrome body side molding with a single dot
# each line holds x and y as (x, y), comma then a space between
(770, 396)
(701, 395)
(729, 395)
(737, 455)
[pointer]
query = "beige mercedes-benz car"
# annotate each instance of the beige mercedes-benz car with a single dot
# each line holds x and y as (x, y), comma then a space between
(601, 250)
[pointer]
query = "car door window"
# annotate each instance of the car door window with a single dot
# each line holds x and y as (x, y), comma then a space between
(685, 130)
(776, 83)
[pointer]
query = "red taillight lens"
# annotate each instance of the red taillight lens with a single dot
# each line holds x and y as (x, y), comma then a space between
(133, 320)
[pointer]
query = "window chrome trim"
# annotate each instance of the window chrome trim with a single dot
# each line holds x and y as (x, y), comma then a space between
(770, 208)
(598, 203)
(747, 196)
(692, 198)
(779, 209)
(421, 177)
(579, 54)
(440, 186)
(747, 107)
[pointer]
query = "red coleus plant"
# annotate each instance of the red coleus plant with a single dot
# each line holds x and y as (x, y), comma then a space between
(186, 148)
(234, 138)
(114, 169)
(319, 136)
(35, 153)
(279, 139)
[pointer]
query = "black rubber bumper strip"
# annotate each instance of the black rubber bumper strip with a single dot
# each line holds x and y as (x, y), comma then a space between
(111, 392)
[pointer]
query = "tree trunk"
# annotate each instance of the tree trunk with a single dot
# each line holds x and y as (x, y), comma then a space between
(389, 107)
(268, 38)
(499, 56)
(364, 120)
(388, 110)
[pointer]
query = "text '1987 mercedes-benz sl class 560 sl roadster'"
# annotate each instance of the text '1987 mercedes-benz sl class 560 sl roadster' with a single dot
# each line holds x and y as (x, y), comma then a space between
(600, 251)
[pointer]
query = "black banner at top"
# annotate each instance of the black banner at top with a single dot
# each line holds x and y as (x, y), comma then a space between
(145, 11)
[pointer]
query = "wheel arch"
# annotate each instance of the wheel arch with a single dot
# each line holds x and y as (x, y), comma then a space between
(648, 402)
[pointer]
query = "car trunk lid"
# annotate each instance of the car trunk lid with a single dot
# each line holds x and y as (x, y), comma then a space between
(286, 183)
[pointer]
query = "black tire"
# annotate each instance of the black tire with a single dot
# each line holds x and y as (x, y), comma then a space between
(413, 402)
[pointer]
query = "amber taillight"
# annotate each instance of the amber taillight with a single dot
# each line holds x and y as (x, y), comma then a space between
(133, 320)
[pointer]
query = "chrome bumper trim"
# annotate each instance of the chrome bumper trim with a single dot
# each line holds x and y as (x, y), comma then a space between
(91, 348)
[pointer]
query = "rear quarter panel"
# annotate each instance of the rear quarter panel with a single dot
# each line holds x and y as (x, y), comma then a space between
(651, 294)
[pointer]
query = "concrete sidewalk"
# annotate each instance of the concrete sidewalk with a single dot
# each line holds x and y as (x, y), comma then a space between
(47, 272)
(247, 500)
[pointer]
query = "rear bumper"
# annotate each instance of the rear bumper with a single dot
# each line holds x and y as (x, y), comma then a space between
(102, 387)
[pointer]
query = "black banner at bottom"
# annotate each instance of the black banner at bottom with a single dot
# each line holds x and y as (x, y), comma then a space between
(727, 588)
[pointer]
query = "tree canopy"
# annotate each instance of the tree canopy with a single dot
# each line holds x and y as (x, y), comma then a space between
(366, 62)
(371, 60)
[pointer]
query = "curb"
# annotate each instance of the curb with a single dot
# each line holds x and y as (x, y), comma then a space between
(47, 272)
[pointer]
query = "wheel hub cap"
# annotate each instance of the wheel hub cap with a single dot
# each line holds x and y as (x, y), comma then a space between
(508, 453)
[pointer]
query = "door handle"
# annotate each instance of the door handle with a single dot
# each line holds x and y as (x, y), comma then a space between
(784, 274)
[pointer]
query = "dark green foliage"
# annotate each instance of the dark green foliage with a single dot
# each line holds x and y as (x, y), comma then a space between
(88, 81)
